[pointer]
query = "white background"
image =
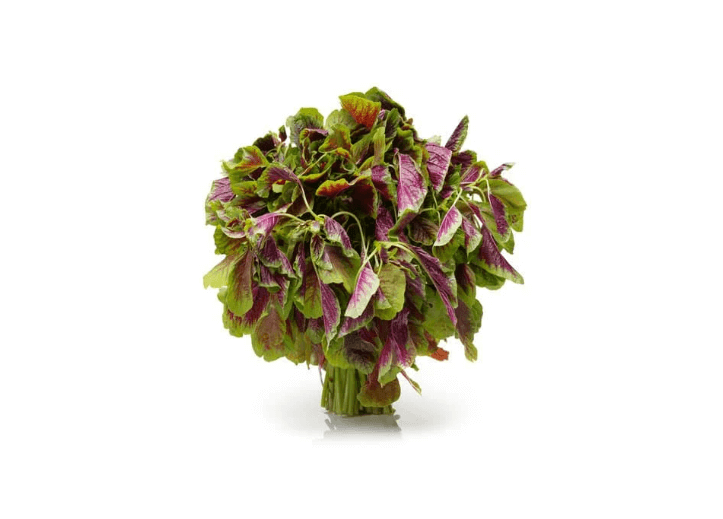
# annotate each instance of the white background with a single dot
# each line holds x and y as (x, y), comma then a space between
(598, 389)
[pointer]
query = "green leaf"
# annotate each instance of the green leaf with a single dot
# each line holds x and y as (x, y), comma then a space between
(268, 339)
(436, 319)
(308, 300)
(383, 98)
(507, 193)
(361, 109)
(351, 351)
(516, 218)
(338, 138)
(373, 394)
(344, 268)
(360, 148)
(415, 385)
(392, 284)
(245, 190)
(390, 375)
(304, 118)
(446, 252)
(468, 311)
(340, 117)
(380, 146)
(239, 295)
(246, 161)
(331, 188)
(218, 275)
(486, 279)
(225, 244)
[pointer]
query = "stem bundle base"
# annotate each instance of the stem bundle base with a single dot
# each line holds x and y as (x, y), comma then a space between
(341, 388)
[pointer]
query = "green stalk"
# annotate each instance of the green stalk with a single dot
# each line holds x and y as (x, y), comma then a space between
(338, 395)
(340, 392)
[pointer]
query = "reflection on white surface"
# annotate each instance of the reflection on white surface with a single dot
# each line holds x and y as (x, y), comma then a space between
(342, 428)
(295, 411)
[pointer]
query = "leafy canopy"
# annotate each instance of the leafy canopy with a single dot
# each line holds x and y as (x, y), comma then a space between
(352, 241)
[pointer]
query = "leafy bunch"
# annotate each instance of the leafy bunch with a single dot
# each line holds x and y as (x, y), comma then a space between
(352, 242)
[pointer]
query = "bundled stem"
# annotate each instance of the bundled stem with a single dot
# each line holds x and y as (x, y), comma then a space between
(341, 388)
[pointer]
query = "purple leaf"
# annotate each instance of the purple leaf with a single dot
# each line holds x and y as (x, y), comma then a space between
(384, 183)
(309, 135)
(233, 233)
(414, 282)
(423, 230)
(465, 279)
(299, 207)
(411, 189)
(261, 299)
(385, 222)
(266, 277)
(300, 259)
(271, 256)
(336, 234)
(450, 223)
(272, 174)
(473, 173)
(446, 285)
(221, 190)
(493, 261)
(475, 209)
(438, 164)
(275, 280)
(366, 284)
(464, 159)
(498, 210)
(255, 206)
(267, 143)
(352, 324)
(359, 352)
(399, 333)
(458, 135)
(395, 350)
(472, 236)
(499, 169)
(300, 320)
(265, 223)
(278, 172)
(364, 197)
(332, 313)
(446, 192)
(468, 318)
(319, 254)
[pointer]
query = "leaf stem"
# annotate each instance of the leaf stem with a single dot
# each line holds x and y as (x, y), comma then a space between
(367, 259)
(436, 206)
(398, 245)
(361, 231)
